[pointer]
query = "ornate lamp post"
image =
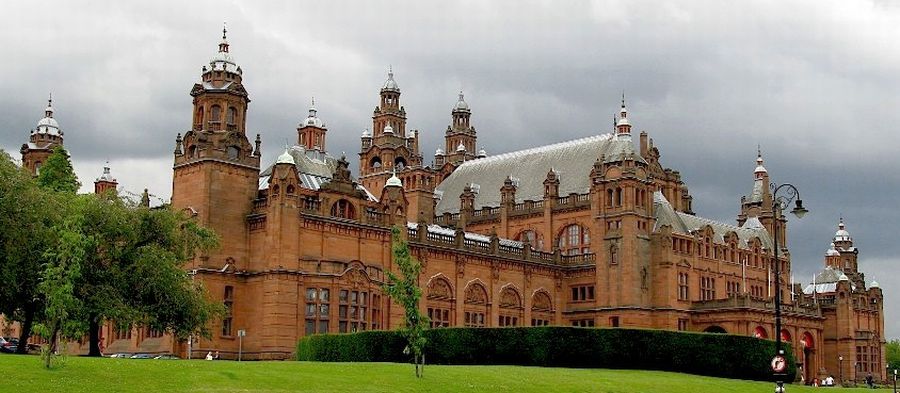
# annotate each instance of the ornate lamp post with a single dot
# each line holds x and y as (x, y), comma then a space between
(895, 380)
(781, 203)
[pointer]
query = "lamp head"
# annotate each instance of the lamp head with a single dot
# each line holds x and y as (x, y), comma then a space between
(799, 210)
(841, 358)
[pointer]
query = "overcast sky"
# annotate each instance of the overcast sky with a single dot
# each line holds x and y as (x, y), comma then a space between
(815, 83)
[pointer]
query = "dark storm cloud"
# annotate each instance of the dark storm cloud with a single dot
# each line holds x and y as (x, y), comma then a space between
(814, 83)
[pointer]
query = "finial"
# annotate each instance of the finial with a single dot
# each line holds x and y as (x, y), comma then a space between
(460, 94)
(758, 151)
(623, 98)
(224, 29)
(50, 100)
(314, 101)
(390, 70)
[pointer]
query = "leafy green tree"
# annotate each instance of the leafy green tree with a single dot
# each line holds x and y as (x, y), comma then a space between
(27, 214)
(58, 281)
(134, 274)
(404, 289)
(57, 174)
(892, 349)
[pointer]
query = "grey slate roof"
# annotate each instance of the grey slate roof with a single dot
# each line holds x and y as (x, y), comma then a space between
(572, 161)
(685, 224)
(314, 168)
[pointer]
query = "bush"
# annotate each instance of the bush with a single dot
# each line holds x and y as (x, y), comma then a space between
(720, 355)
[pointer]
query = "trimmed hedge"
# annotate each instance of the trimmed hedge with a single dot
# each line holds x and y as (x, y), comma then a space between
(720, 355)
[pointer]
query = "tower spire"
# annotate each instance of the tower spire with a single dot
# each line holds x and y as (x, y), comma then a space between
(223, 46)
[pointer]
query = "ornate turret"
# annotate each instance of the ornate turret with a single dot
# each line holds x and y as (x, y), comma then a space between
(460, 136)
(105, 181)
(623, 126)
(46, 136)
(311, 131)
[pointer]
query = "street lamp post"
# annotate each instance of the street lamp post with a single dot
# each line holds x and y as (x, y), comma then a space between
(781, 203)
(841, 370)
(895, 380)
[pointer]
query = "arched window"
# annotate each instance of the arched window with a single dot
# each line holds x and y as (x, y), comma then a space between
(440, 302)
(533, 238)
(785, 335)
(541, 309)
(574, 240)
(614, 255)
(343, 209)
(618, 196)
(290, 189)
(192, 151)
(760, 332)
(199, 119)
(234, 152)
(37, 168)
(215, 115)
(232, 115)
(375, 162)
(476, 303)
(510, 307)
(609, 197)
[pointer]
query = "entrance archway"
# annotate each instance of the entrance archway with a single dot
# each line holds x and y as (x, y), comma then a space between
(809, 358)
(715, 329)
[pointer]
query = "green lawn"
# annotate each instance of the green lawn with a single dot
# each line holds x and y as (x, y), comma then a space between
(25, 374)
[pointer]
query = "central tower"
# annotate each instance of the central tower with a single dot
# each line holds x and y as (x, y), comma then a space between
(216, 169)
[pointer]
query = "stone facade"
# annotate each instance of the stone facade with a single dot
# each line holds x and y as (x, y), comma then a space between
(592, 232)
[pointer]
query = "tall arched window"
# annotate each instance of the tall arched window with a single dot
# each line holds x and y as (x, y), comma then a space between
(476, 311)
(215, 115)
(232, 115)
(343, 209)
(199, 119)
(574, 240)
(510, 307)
(440, 303)
(541, 309)
(609, 197)
(375, 162)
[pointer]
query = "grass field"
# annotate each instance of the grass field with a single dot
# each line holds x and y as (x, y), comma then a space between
(25, 374)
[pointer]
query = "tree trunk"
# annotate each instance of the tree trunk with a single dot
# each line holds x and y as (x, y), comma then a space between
(94, 335)
(51, 350)
(26, 328)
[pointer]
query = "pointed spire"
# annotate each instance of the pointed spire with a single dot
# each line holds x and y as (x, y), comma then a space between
(312, 107)
(48, 112)
(223, 46)
(760, 170)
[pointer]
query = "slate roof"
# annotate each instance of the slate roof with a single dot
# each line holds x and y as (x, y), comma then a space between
(314, 168)
(686, 224)
(572, 161)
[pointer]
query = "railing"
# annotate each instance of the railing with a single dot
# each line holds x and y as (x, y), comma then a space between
(745, 301)
(260, 203)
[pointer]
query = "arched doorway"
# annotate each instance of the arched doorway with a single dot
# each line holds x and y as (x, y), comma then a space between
(809, 358)
(715, 329)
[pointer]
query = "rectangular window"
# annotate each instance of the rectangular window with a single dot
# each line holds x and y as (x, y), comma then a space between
(582, 293)
(317, 310)
(614, 321)
(583, 322)
(353, 311)
(474, 319)
(682, 324)
(228, 320)
(707, 288)
(683, 293)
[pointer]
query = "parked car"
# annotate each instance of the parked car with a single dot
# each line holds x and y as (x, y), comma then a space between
(8, 345)
(167, 356)
(120, 355)
(142, 356)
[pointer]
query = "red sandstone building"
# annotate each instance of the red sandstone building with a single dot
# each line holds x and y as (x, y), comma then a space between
(592, 232)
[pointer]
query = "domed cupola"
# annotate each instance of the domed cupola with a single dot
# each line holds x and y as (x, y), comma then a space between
(832, 252)
(760, 170)
(390, 83)
(48, 124)
(313, 120)
(842, 236)
(461, 104)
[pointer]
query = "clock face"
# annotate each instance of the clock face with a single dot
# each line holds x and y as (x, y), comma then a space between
(778, 364)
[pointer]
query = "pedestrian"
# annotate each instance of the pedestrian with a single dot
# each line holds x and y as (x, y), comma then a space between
(870, 382)
(217, 355)
(209, 355)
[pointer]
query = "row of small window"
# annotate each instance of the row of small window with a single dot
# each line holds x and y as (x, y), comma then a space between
(615, 198)
(215, 114)
(582, 293)
(613, 322)
(124, 333)
(354, 311)
(868, 359)
(440, 317)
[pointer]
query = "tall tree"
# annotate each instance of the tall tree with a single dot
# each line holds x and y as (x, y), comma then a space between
(404, 289)
(27, 214)
(892, 349)
(57, 174)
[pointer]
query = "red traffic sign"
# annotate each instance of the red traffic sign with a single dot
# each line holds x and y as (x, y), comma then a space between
(779, 364)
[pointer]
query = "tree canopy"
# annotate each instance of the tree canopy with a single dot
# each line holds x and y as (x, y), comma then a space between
(70, 262)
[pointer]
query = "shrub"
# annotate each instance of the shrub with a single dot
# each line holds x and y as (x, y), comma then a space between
(720, 355)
